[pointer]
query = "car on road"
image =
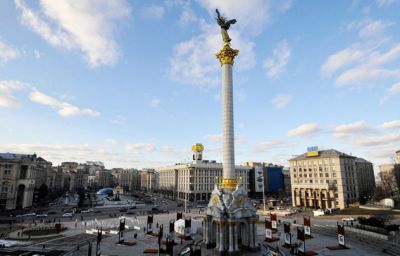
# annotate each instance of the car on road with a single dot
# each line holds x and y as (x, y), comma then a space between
(52, 213)
(68, 214)
(123, 209)
(130, 213)
(41, 215)
(29, 214)
(347, 219)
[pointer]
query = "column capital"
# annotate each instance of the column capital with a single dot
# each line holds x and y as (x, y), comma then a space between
(227, 55)
(228, 183)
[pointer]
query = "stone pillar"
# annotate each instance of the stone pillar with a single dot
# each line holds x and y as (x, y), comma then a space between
(216, 235)
(222, 237)
(206, 232)
(231, 236)
(236, 237)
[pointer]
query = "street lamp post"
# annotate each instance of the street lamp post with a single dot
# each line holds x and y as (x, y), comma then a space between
(263, 190)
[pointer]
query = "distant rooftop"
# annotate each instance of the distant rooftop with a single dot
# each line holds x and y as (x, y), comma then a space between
(14, 157)
(323, 153)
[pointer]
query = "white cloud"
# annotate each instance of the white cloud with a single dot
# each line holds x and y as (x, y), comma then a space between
(58, 153)
(193, 60)
(394, 124)
(391, 138)
(213, 138)
(350, 129)
(392, 91)
(281, 100)
(7, 99)
(118, 119)
(386, 2)
(37, 54)
(304, 130)
(7, 52)
(360, 74)
(155, 103)
(247, 13)
(374, 28)
(86, 25)
(140, 147)
(153, 12)
(65, 109)
(218, 138)
(276, 64)
(266, 146)
(366, 62)
(341, 59)
(111, 141)
(187, 17)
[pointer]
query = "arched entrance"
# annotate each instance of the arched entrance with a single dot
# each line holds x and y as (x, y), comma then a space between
(20, 196)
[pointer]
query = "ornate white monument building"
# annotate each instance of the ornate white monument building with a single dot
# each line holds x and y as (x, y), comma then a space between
(230, 219)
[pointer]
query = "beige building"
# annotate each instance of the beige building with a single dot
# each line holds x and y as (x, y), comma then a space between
(126, 178)
(17, 180)
(195, 181)
(148, 179)
(103, 178)
(328, 179)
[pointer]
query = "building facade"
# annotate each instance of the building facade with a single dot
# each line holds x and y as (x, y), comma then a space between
(148, 179)
(195, 181)
(366, 178)
(17, 180)
(265, 176)
(326, 179)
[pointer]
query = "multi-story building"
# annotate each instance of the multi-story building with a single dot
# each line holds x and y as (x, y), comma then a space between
(17, 180)
(286, 182)
(79, 178)
(43, 169)
(325, 179)
(103, 178)
(365, 177)
(148, 179)
(195, 181)
(125, 178)
(267, 176)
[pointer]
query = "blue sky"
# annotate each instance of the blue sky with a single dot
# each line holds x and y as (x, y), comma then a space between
(136, 83)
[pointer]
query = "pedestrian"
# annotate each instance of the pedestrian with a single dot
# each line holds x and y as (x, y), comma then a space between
(351, 223)
(157, 225)
(144, 230)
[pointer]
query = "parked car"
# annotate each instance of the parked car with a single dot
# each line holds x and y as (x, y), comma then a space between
(123, 210)
(347, 219)
(68, 214)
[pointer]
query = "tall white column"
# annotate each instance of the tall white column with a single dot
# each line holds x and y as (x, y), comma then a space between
(227, 123)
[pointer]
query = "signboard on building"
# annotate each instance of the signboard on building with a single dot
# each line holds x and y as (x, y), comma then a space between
(312, 151)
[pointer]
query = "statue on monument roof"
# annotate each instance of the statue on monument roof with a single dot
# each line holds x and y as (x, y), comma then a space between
(225, 25)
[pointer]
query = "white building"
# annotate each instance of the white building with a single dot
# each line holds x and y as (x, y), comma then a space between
(194, 181)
